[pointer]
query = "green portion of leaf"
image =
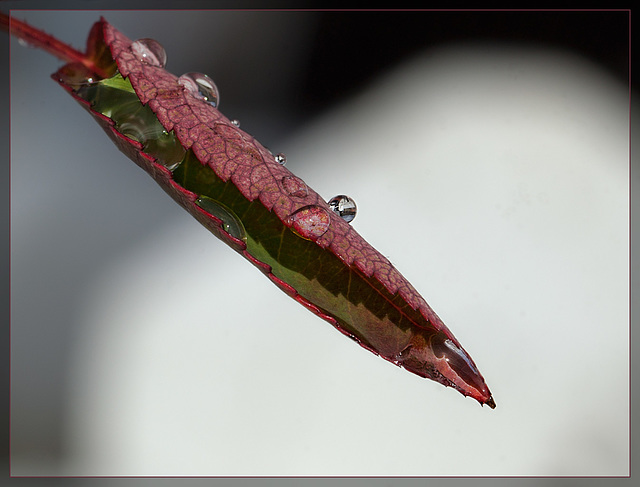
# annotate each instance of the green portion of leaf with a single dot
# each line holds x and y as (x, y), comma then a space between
(119, 83)
(315, 273)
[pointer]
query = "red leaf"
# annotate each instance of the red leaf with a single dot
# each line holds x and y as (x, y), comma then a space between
(424, 346)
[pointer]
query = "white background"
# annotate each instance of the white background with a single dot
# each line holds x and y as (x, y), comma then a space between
(495, 178)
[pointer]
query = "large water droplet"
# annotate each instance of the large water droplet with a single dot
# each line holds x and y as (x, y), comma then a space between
(295, 186)
(457, 359)
(230, 222)
(201, 86)
(134, 127)
(235, 122)
(135, 121)
(344, 206)
(281, 159)
(310, 222)
(149, 51)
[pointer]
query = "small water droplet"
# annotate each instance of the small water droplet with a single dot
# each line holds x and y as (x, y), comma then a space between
(310, 222)
(201, 86)
(295, 186)
(25, 43)
(281, 159)
(344, 206)
(235, 122)
(149, 51)
(230, 222)
(402, 355)
(88, 82)
(166, 147)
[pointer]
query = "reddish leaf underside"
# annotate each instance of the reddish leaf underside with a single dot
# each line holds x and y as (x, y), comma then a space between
(417, 340)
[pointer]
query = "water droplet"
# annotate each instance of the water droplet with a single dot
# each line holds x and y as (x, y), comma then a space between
(149, 51)
(230, 222)
(295, 186)
(344, 206)
(87, 82)
(76, 75)
(310, 222)
(402, 355)
(134, 128)
(201, 86)
(135, 121)
(166, 148)
(25, 43)
(281, 159)
(457, 359)
(235, 122)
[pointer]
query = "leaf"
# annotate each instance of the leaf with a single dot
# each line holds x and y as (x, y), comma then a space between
(238, 190)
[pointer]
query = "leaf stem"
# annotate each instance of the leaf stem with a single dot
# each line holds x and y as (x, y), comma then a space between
(38, 38)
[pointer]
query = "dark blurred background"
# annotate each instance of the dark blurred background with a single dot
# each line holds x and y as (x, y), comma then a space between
(358, 45)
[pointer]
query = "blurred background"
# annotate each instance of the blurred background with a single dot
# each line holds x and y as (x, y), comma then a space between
(488, 153)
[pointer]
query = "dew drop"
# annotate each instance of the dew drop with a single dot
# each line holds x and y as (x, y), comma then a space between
(201, 86)
(402, 355)
(295, 186)
(149, 51)
(25, 43)
(235, 122)
(310, 222)
(230, 222)
(344, 206)
(457, 359)
(134, 128)
(281, 159)
(166, 148)
(87, 82)
(76, 75)
(133, 120)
